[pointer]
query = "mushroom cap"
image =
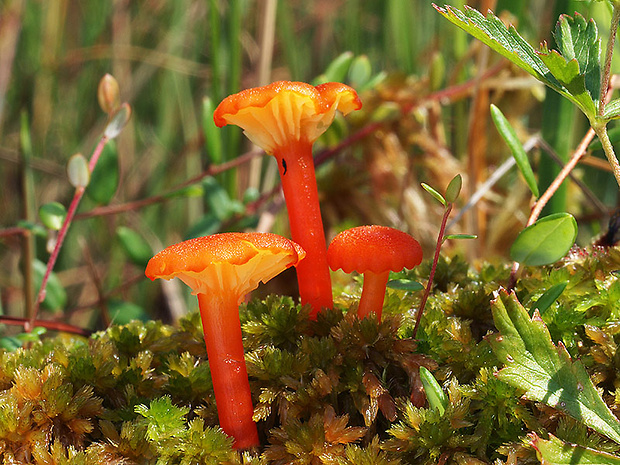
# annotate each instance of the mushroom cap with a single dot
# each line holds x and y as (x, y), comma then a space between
(274, 115)
(227, 262)
(373, 248)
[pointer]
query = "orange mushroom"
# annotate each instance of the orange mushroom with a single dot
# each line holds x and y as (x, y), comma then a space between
(284, 119)
(373, 251)
(221, 269)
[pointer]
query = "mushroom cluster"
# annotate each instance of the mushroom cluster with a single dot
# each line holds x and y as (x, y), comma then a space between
(285, 119)
(221, 269)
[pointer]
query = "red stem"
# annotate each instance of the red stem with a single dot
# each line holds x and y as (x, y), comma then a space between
(429, 285)
(77, 196)
(222, 331)
(296, 167)
(373, 294)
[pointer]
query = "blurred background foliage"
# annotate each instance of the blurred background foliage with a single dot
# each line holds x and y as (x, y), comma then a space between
(171, 175)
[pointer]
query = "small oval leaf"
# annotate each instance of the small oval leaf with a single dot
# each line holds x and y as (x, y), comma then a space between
(337, 70)
(52, 215)
(360, 71)
(460, 236)
(77, 171)
(510, 137)
(405, 285)
(454, 188)
(546, 241)
(434, 193)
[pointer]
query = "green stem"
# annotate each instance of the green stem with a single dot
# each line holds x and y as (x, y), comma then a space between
(77, 196)
(608, 148)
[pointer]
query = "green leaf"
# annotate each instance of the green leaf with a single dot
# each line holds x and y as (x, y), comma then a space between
(550, 295)
(510, 137)
(104, 178)
(213, 136)
(545, 372)
(78, 171)
(546, 241)
(55, 294)
(118, 121)
(360, 71)
(454, 188)
(337, 70)
(405, 285)
(437, 399)
(134, 245)
(52, 215)
(612, 110)
(578, 41)
(460, 236)
(122, 312)
(557, 452)
(218, 201)
(164, 419)
(434, 193)
(561, 73)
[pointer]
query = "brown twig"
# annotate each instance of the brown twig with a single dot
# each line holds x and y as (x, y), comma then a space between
(53, 325)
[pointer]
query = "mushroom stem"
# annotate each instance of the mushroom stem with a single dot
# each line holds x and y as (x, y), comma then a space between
(222, 331)
(296, 167)
(373, 294)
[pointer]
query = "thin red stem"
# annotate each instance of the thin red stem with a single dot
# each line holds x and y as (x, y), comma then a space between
(77, 196)
(429, 285)
(222, 330)
(373, 294)
(296, 167)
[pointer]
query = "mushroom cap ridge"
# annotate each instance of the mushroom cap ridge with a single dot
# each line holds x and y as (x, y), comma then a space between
(238, 261)
(373, 248)
(284, 111)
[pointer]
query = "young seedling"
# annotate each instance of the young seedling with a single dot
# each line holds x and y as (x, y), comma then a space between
(452, 193)
(284, 119)
(221, 269)
(374, 251)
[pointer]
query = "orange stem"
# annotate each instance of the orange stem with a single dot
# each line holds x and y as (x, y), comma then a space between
(222, 331)
(296, 167)
(373, 294)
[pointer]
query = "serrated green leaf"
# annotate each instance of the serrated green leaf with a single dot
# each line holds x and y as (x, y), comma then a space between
(434, 193)
(557, 452)
(563, 74)
(437, 399)
(545, 372)
(52, 215)
(404, 285)
(577, 39)
(546, 241)
(510, 137)
(105, 177)
(134, 245)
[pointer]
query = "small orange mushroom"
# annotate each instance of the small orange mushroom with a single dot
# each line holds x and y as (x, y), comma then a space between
(284, 119)
(373, 251)
(221, 269)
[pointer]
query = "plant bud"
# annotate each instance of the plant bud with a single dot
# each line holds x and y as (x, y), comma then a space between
(108, 94)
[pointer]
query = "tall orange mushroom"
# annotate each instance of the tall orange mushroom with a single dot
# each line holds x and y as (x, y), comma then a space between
(221, 269)
(284, 119)
(373, 251)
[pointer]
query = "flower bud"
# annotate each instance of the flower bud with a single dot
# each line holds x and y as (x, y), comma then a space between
(108, 94)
